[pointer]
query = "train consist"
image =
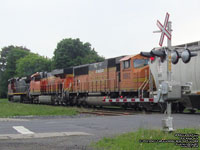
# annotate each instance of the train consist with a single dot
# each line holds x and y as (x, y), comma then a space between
(124, 81)
(124, 76)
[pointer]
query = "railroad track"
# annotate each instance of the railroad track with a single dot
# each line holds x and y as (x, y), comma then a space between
(107, 113)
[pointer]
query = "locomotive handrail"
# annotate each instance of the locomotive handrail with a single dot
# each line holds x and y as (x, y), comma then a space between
(144, 87)
(141, 87)
(144, 84)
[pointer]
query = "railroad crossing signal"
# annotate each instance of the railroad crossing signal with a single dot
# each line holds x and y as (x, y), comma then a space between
(163, 29)
(168, 90)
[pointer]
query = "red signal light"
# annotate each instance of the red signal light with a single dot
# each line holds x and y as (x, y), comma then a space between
(152, 58)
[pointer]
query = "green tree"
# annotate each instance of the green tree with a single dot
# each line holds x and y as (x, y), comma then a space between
(32, 63)
(8, 59)
(73, 52)
(12, 59)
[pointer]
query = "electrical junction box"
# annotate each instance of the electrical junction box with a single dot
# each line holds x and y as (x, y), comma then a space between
(167, 124)
(171, 90)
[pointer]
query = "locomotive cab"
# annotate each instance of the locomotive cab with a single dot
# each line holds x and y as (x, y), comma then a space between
(35, 84)
(18, 89)
(134, 71)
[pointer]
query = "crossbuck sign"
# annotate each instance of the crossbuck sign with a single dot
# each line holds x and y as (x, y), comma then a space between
(163, 29)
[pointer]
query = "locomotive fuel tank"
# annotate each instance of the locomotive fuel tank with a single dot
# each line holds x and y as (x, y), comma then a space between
(45, 99)
(17, 98)
(97, 101)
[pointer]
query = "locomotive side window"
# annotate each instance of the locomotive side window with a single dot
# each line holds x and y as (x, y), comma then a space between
(139, 63)
(126, 64)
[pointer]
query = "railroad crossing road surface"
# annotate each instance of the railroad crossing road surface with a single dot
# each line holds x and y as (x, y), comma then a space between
(78, 132)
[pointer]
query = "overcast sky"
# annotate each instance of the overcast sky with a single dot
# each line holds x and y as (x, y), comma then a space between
(113, 27)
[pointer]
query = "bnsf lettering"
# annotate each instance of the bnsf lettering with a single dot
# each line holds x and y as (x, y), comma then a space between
(100, 71)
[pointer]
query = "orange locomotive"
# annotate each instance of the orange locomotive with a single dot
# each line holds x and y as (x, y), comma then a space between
(50, 87)
(115, 76)
(89, 84)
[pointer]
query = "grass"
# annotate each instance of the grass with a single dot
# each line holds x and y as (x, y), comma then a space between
(188, 111)
(130, 141)
(10, 109)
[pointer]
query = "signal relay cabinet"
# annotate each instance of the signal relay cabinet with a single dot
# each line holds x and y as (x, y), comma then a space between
(171, 90)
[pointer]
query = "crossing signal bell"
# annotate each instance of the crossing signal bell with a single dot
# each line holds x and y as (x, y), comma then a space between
(185, 55)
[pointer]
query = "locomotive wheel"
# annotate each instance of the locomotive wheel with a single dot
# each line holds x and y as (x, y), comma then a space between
(21, 99)
(10, 99)
(31, 100)
(84, 103)
(53, 102)
(181, 108)
(192, 111)
(78, 103)
(124, 107)
(73, 101)
(88, 106)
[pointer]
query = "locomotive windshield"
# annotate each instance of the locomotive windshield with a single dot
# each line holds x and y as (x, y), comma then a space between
(139, 63)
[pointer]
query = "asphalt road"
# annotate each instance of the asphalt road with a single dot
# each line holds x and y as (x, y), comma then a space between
(78, 132)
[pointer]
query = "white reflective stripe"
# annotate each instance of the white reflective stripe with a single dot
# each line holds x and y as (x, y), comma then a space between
(167, 33)
(137, 100)
(161, 38)
(160, 26)
(163, 30)
(22, 130)
(166, 20)
(129, 100)
(146, 99)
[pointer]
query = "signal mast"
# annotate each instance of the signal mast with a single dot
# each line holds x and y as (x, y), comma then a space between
(166, 31)
(168, 90)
